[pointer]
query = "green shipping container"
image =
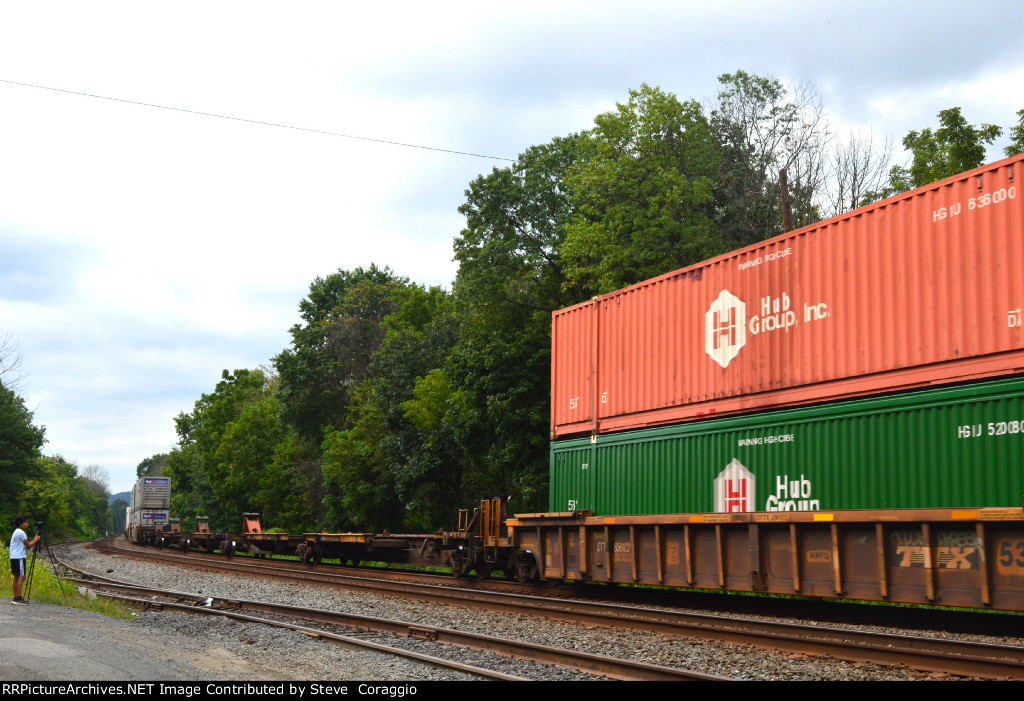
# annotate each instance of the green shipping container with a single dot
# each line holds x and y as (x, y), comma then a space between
(950, 447)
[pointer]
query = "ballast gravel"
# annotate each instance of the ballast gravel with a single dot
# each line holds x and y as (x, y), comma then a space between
(288, 655)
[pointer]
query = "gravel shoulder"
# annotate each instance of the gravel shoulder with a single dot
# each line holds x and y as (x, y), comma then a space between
(43, 642)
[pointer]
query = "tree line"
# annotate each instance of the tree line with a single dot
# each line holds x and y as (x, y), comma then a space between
(71, 501)
(396, 404)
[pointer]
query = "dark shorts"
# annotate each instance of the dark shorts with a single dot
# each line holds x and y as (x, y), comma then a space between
(18, 566)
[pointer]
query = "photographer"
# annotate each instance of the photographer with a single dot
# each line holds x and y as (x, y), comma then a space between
(19, 549)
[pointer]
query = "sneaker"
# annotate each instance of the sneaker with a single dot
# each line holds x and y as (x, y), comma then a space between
(19, 602)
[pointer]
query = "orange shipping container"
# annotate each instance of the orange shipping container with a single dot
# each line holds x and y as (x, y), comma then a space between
(920, 289)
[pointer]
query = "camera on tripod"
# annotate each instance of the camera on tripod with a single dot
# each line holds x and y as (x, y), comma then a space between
(40, 524)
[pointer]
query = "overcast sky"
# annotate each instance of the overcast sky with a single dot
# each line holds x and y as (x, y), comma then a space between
(144, 250)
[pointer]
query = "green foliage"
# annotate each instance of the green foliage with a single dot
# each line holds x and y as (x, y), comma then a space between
(954, 147)
(298, 505)
(500, 369)
(20, 442)
(58, 496)
(331, 351)
(151, 466)
(509, 251)
(398, 475)
(899, 181)
(360, 489)
(642, 190)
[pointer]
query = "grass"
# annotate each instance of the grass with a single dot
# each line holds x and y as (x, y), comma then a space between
(47, 589)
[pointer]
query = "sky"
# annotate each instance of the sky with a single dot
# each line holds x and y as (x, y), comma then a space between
(144, 250)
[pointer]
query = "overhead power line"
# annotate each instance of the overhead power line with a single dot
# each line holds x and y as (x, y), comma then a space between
(257, 121)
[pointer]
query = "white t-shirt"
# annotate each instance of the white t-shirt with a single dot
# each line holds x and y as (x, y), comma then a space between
(18, 544)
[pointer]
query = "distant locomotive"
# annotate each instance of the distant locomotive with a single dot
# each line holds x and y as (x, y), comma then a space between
(148, 510)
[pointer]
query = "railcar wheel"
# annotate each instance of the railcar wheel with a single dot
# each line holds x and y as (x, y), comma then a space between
(460, 563)
(484, 571)
(525, 566)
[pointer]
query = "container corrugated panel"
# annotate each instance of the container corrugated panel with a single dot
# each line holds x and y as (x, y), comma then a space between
(574, 332)
(960, 446)
(152, 493)
(923, 288)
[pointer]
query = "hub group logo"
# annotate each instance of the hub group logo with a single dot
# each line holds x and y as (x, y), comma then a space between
(727, 324)
(725, 328)
(735, 488)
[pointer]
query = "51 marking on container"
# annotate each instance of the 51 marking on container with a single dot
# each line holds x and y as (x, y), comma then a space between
(993, 428)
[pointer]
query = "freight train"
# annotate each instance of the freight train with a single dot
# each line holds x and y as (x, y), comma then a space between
(967, 557)
(834, 412)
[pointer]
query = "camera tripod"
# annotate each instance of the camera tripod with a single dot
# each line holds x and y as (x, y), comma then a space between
(43, 543)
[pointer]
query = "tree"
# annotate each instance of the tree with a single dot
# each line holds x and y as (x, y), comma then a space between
(359, 488)
(152, 466)
(481, 415)
(57, 495)
(642, 192)
(954, 147)
(478, 413)
(858, 167)
(509, 251)
(1017, 136)
(20, 443)
(248, 476)
(762, 127)
(97, 478)
(10, 363)
(382, 469)
(331, 351)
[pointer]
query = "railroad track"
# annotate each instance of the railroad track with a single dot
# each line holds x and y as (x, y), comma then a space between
(283, 615)
(967, 658)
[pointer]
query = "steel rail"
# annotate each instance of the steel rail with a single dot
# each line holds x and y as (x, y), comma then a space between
(220, 610)
(987, 660)
(614, 668)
